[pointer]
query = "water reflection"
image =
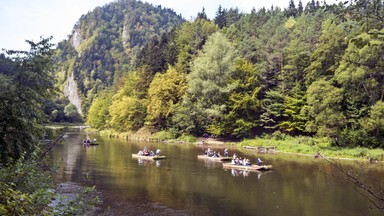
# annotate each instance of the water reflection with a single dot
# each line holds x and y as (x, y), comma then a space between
(247, 173)
(211, 164)
(236, 173)
(143, 162)
(184, 185)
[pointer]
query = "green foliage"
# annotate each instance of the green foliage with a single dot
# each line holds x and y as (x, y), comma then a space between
(324, 109)
(373, 127)
(187, 138)
(105, 42)
(375, 121)
(242, 114)
(325, 58)
(190, 40)
(158, 53)
(300, 71)
(127, 113)
(277, 135)
(84, 201)
(273, 110)
(26, 81)
(71, 114)
(164, 135)
(220, 20)
(98, 114)
(295, 120)
(54, 109)
(189, 118)
(164, 93)
(360, 70)
(26, 188)
(209, 86)
(355, 137)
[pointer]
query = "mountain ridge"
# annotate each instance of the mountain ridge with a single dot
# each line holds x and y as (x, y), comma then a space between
(104, 43)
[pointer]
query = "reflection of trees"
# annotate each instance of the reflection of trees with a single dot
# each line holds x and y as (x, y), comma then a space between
(184, 182)
(358, 178)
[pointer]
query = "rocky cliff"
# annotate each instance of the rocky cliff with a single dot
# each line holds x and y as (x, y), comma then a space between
(71, 91)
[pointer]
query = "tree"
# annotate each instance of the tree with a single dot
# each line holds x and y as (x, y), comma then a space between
(26, 81)
(326, 57)
(311, 7)
(273, 110)
(208, 82)
(232, 16)
(243, 112)
(324, 109)
(190, 39)
(128, 108)
(127, 113)
(202, 15)
(220, 19)
(294, 119)
(374, 125)
(164, 95)
(360, 71)
(98, 113)
(54, 108)
(71, 113)
(300, 8)
(291, 11)
(375, 121)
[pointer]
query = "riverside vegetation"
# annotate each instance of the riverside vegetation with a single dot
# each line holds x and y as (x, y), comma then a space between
(26, 183)
(284, 143)
(304, 74)
(308, 70)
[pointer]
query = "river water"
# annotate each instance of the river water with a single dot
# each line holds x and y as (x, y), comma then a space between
(185, 185)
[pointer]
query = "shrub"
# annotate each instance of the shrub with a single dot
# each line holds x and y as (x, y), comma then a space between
(164, 135)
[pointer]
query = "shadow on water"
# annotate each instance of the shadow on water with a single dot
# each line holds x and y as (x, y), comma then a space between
(185, 185)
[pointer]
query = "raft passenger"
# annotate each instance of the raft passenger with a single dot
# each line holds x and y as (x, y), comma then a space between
(225, 152)
(259, 161)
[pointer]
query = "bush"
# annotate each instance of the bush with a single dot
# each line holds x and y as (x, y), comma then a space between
(164, 135)
(187, 138)
(277, 135)
(26, 189)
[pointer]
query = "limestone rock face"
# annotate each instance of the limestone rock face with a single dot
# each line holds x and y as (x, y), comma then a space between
(76, 39)
(70, 91)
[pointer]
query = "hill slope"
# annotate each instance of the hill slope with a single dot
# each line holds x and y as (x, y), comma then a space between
(104, 43)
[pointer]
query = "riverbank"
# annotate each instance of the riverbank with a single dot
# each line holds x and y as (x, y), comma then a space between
(313, 146)
(285, 144)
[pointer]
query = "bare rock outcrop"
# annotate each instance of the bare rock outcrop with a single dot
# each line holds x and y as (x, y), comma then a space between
(70, 91)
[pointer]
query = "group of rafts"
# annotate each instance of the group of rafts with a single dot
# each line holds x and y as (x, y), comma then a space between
(235, 162)
(148, 154)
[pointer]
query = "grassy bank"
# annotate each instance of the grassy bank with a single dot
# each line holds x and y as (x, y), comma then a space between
(283, 143)
(310, 146)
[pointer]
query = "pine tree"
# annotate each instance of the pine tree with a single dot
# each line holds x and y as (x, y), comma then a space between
(220, 19)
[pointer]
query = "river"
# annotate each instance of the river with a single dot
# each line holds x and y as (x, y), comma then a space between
(185, 185)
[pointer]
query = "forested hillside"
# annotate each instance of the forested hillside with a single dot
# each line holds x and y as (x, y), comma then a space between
(312, 69)
(104, 43)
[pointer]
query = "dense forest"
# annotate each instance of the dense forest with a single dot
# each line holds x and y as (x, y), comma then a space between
(312, 70)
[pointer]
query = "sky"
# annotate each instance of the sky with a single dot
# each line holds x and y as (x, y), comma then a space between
(22, 20)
